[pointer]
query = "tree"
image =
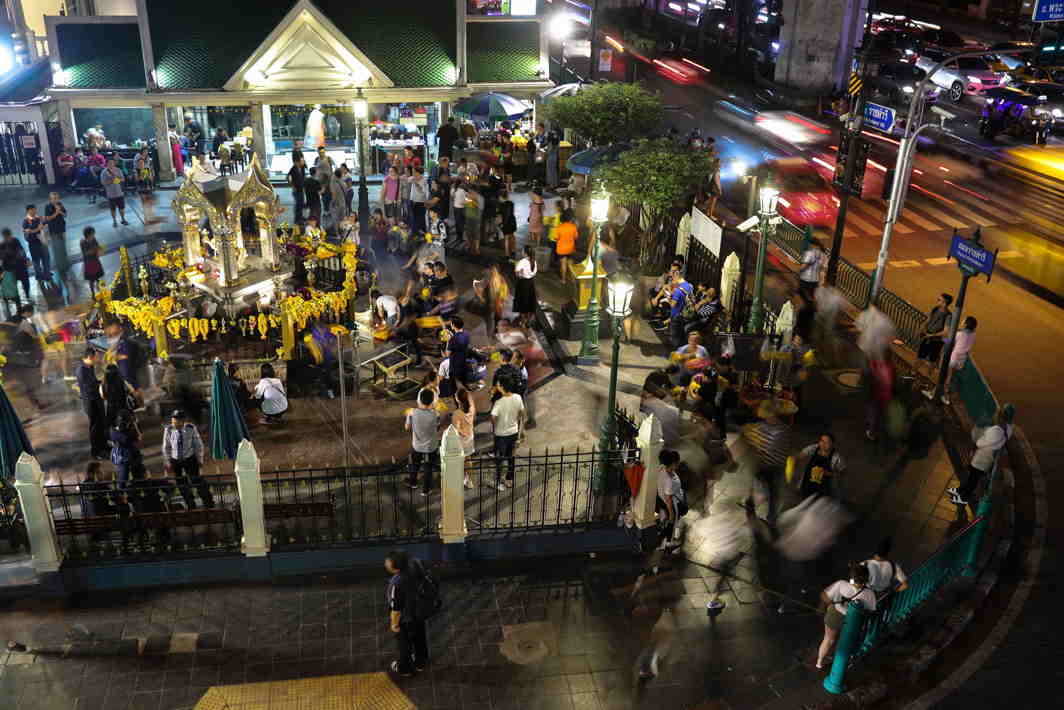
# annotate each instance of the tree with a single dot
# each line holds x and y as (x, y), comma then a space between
(659, 175)
(605, 113)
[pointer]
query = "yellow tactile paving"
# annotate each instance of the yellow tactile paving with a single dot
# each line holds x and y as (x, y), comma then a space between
(363, 691)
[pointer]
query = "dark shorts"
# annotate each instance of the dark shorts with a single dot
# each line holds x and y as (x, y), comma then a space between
(930, 349)
(119, 202)
(833, 619)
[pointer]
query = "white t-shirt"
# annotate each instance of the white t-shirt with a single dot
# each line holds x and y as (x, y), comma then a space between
(271, 392)
(458, 199)
(842, 593)
(811, 260)
(669, 485)
(444, 370)
(524, 269)
(506, 413)
(390, 306)
(699, 351)
(883, 575)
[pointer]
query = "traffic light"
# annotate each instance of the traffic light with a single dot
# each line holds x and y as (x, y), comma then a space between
(846, 139)
(861, 156)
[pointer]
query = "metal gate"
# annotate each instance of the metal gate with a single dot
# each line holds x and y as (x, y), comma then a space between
(20, 154)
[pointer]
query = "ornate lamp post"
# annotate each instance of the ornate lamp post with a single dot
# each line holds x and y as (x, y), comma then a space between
(361, 110)
(619, 307)
(589, 348)
(768, 197)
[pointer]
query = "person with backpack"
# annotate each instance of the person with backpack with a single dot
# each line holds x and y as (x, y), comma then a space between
(837, 598)
(412, 596)
(884, 575)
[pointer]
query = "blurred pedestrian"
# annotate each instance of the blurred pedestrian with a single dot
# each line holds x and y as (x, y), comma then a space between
(878, 381)
(113, 178)
(507, 417)
(125, 445)
(117, 394)
(270, 394)
(535, 216)
(809, 274)
(15, 266)
(463, 418)
(96, 494)
(509, 227)
(55, 219)
(183, 452)
(525, 300)
(837, 597)
(671, 501)
(770, 439)
(25, 355)
(565, 244)
(988, 441)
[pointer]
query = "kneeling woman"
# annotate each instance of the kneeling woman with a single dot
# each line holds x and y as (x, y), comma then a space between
(271, 395)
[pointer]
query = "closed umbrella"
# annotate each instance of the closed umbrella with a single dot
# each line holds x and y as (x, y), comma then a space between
(490, 107)
(584, 162)
(228, 428)
(13, 439)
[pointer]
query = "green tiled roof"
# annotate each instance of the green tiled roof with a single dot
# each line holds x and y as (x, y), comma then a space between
(101, 56)
(201, 46)
(502, 51)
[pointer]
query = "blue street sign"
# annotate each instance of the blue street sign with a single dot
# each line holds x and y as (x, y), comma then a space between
(879, 117)
(971, 256)
(1048, 11)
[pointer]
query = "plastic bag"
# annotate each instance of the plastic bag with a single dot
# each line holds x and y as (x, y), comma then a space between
(728, 349)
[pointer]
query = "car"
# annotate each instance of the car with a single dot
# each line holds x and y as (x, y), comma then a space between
(896, 46)
(942, 39)
(898, 82)
(805, 198)
(891, 23)
(1032, 73)
(964, 75)
(1018, 54)
(1051, 94)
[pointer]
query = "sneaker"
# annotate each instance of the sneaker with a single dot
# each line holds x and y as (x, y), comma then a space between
(945, 399)
(125, 222)
(930, 394)
(395, 670)
(424, 494)
(500, 487)
(869, 435)
(952, 492)
(411, 485)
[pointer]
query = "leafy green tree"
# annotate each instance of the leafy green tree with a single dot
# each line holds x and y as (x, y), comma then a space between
(605, 113)
(659, 175)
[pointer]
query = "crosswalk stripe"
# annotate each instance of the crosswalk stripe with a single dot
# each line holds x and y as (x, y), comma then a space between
(864, 225)
(1010, 254)
(872, 211)
(984, 207)
(972, 215)
(867, 265)
(938, 214)
(937, 261)
(904, 263)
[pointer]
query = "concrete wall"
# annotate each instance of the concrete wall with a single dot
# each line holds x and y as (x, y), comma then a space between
(817, 41)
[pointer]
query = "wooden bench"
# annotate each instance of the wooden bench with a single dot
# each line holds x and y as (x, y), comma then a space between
(144, 521)
(273, 511)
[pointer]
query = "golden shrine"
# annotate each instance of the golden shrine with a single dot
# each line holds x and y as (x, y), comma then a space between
(214, 212)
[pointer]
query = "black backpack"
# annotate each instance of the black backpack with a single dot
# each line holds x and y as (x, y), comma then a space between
(427, 600)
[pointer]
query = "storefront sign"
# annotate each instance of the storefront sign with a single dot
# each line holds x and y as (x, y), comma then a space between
(1048, 11)
(577, 48)
(971, 256)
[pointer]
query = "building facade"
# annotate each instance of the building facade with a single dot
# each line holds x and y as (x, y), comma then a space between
(258, 64)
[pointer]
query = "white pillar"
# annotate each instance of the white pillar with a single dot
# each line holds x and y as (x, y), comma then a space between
(40, 528)
(267, 134)
(258, 131)
(650, 445)
(66, 125)
(683, 234)
(249, 488)
(452, 461)
(48, 151)
(785, 322)
(162, 142)
(729, 283)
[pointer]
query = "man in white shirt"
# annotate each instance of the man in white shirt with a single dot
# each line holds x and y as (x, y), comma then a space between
(507, 416)
(809, 275)
(885, 575)
(385, 309)
(458, 200)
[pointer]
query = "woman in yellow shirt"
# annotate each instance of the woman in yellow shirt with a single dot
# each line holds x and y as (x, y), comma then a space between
(566, 233)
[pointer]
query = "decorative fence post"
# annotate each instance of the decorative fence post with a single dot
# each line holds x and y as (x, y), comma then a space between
(452, 463)
(729, 285)
(249, 488)
(785, 323)
(848, 643)
(650, 445)
(40, 528)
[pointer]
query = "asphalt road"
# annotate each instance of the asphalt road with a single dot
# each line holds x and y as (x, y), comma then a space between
(1018, 337)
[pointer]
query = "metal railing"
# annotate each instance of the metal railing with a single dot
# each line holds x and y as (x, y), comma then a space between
(975, 393)
(549, 490)
(908, 319)
(853, 283)
(308, 508)
(703, 268)
(100, 521)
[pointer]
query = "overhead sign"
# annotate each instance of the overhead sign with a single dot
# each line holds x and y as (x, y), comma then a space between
(879, 117)
(1048, 11)
(972, 257)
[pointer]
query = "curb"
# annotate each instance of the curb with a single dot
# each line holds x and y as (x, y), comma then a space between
(160, 644)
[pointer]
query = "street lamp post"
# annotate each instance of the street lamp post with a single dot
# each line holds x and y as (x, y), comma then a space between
(361, 110)
(619, 307)
(768, 196)
(589, 348)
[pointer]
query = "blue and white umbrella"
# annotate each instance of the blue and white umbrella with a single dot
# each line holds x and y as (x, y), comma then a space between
(490, 107)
